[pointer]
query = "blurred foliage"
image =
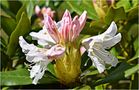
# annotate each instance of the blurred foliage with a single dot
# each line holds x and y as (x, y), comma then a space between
(18, 18)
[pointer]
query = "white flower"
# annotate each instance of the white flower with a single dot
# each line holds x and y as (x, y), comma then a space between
(96, 46)
(36, 56)
(43, 38)
(39, 57)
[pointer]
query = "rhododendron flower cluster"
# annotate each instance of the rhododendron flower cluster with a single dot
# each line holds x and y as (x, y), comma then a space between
(60, 43)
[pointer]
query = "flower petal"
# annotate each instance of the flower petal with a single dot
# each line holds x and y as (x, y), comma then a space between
(106, 56)
(97, 63)
(56, 51)
(43, 38)
(82, 20)
(86, 42)
(37, 57)
(109, 42)
(75, 28)
(25, 46)
(96, 46)
(111, 30)
(37, 71)
(66, 25)
(50, 25)
(48, 11)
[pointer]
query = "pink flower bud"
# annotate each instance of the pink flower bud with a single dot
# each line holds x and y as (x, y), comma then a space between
(37, 9)
(66, 30)
(47, 11)
(66, 25)
(82, 20)
(51, 27)
(72, 28)
(42, 12)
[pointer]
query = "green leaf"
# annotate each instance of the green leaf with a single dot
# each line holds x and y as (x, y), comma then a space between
(48, 78)
(5, 3)
(115, 15)
(21, 29)
(93, 28)
(135, 3)
(133, 15)
(30, 7)
(79, 7)
(62, 7)
(131, 70)
(99, 87)
(4, 38)
(14, 6)
(124, 3)
(116, 74)
(51, 68)
(136, 46)
(8, 24)
(22, 77)
(4, 13)
(133, 31)
(19, 13)
(29, 4)
(16, 77)
(114, 52)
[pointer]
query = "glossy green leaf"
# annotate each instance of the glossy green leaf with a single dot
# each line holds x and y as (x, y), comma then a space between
(99, 87)
(16, 77)
(115, 74)
(48, 78)
(124, 3)
(8, 24)
(22, 77)
(4, 37)
(30, 7)
(93, 28)
(51, 68)
(131, 70)
(114, 52)
(22, 28)
(115, 15)
(63, 6)
(79, 7)
(19, 13)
